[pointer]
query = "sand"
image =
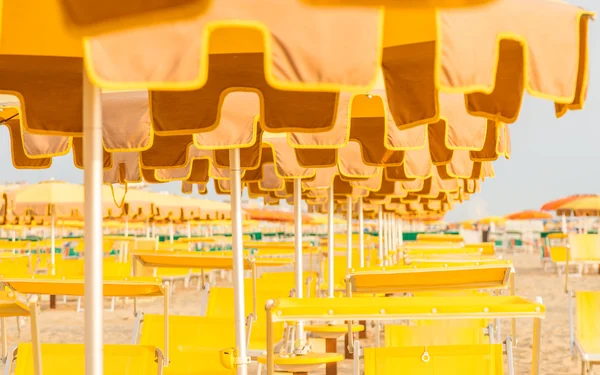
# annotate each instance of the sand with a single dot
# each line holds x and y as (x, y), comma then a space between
(65, 325)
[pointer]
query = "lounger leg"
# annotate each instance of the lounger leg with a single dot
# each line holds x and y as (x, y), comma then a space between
(571, 330)
(537, 333)
(509, 354)
(356, 361)
(4, 339)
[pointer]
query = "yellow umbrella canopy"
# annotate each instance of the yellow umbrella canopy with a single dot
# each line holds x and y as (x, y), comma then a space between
(492, 219)
(58, 198)
(585, 206)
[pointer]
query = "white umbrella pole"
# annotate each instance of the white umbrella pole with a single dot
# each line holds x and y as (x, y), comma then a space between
(53, 243)
(361, 233)
(238, 260)
(189, 229)
(298, 250)
(330, 244)
(564, 224)
(380, 236)
(126, 226)
(349, 236)
(394, 231)
(400, 233)
(171, 231)
(93, 262)
(147, 228)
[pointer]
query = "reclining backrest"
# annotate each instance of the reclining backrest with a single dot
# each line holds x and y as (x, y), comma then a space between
(587, 314)
(435, 360)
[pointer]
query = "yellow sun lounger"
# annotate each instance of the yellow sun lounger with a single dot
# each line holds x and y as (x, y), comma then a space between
(427, 238)
(196, 342)
(70, 359)
(491, 275)
(435, 360)
(586, 338)
(112, 287)
(381, 309)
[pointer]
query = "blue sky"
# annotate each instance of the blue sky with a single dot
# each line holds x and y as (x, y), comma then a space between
(550, 158)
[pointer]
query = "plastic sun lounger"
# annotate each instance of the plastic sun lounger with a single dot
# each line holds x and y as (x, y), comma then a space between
(10, 306)
(489, 275)
(196, 342)
(377, 308)
(70, 359)
(586, 339)
(112, 287)
(220, 304)
(435, 360)
(439, 238)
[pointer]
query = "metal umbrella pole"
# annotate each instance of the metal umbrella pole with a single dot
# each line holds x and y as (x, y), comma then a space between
(93, 262)
(298, 253)
(380, 235)
(349, 236)
(330, 243)
(238, 262)
(361, 233)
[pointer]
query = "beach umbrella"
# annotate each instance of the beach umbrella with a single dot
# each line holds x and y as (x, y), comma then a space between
(528, 215)
(109, 57)
(557, 203)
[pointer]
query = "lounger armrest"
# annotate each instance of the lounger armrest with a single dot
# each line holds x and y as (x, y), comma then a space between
(160, 361)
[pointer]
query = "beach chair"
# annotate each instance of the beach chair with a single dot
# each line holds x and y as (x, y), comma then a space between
(196, 342)
(435, 360)
(468, 276)
(389, 309)
(37, 358)
(220, 305)
(439, 239)
(585, 337)
(70, 359)
(424, 335)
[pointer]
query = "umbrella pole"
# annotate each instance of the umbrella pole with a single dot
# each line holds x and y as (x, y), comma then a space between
(238, 260)
(189, 229)
(361, 233)
(564, 223)
(330, 244)
(93, 262)
(349, 236)
(53, 243)
(394, 231)
(126, 226)
(380, 236)
(298, 251)
(171, 231)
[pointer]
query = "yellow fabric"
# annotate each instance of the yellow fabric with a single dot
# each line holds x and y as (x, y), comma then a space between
(186, 259)
(588, 326)
(421, 335)
(439, 238)
(436, 277)
(443, 360)
(70, 358)
(73, 286)
(221, 305)
(195, 342)
(584, 247)
(558, 254)
(289, 309)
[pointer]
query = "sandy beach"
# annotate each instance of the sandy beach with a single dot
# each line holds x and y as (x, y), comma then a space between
(65, 325)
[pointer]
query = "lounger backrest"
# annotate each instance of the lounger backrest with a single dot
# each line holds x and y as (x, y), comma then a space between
(220, 304)
(188, 331)
(286, 280)
(587, 314)
(584, 247)
(558, 254)
(194, 342)
(421, 335)
(435, 360)
(70, 359)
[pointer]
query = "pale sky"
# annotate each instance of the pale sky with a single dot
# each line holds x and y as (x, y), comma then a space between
(550, 158)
